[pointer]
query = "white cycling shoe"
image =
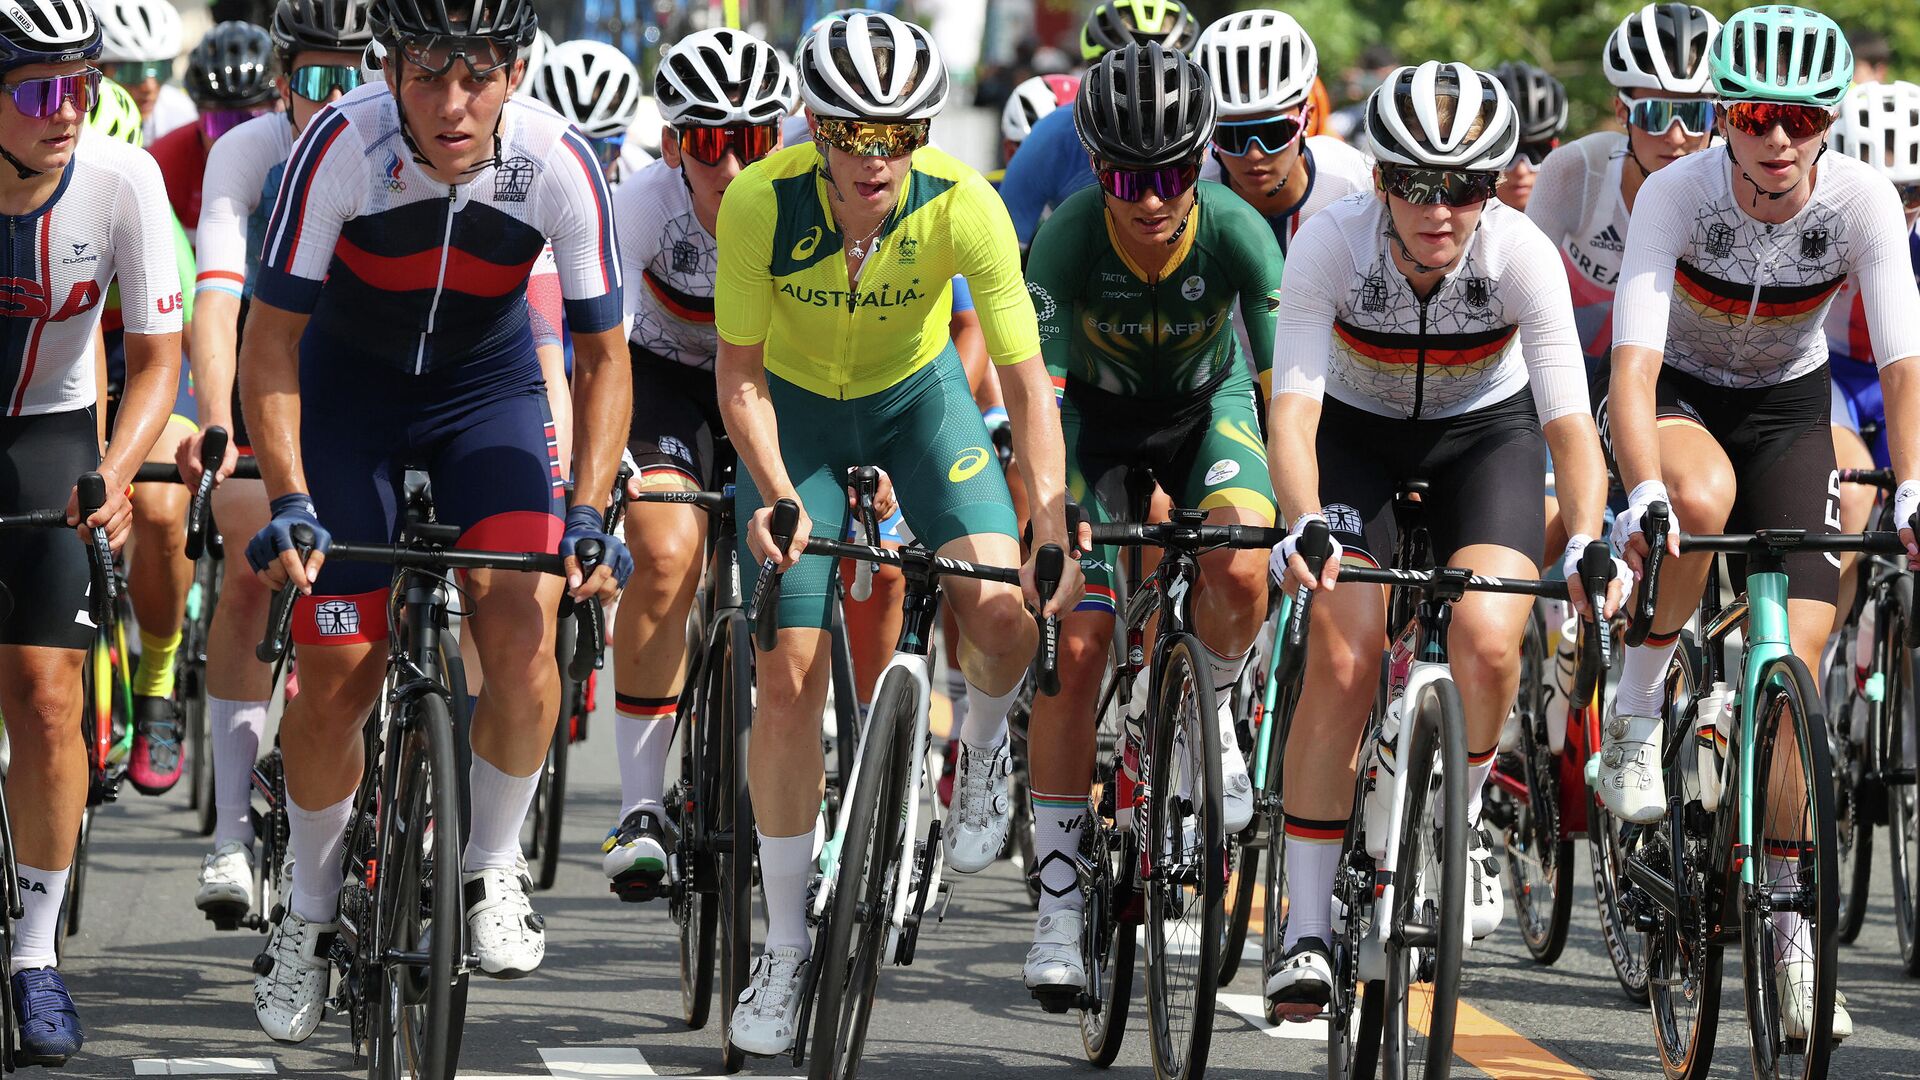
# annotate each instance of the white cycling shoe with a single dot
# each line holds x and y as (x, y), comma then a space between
(1628, 781)
(981, 808)
(1055, 972)
(1236, 787)
(1793, 979)
(1486, 904)
(290, 978)
(764, 1018)
(226, 885)
(1302, 984)
(509, 938)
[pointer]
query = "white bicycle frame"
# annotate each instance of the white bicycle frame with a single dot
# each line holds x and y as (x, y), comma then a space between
(1372, 963)
(919, 669)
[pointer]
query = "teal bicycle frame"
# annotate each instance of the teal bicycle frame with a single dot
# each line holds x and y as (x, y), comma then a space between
(1767, 640)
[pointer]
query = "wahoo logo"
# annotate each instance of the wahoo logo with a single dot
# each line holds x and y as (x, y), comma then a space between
(336, 618)
(1608, 239)
(394, 183)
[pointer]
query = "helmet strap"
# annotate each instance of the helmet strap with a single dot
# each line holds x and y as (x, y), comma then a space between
(1406, 253)
(420, 158)
(1774, 196)
(20, 166)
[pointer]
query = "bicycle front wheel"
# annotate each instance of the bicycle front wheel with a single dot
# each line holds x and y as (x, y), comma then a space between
(729, 720)
(863, 891)
(1107, 931)
(1791, 917)
(1850, 753)
(419, 923)
(541, 839)
(1429, 911)
(1894, 732)
(1539, 857)
(1186, 892)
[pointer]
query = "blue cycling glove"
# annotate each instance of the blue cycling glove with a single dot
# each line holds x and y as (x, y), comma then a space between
(288, 510)
(585, 523)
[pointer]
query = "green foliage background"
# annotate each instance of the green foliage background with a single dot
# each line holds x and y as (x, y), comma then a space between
(1563, 36)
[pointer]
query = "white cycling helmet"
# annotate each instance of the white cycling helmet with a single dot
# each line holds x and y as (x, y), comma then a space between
(1258, 62)
(870, 66)
(1879, 123)
(644, 132)
(724, 76)
(141, 31)
(1405, 126)
(1662, 47)
(1035, 97)
(536, 58)
(592, 84)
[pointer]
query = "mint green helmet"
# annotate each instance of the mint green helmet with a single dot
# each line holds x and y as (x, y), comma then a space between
(1791, 55)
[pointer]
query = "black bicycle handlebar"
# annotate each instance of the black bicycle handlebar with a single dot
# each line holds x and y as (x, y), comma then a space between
(866, 487)
(766, 591)
(1188, 537)
(1446, 576)
(1049, 563)
(92, 495)
(1316, 544)
(590, 642)
(1880, 478)
(213, 451)
(1596, 573)
(1654, 526)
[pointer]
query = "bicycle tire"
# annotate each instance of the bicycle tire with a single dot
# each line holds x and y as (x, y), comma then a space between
(1851, 762)
(9, 896)
(193, 697)
(1408, 1047)
(864, 884)
(542, 842)
(76, 882)
(1107, 931)
(1539, 855)
(1893, 734)
(415, 1021)
(1788, 696)
(1679, 952)
(735, 859)
(1184, 714)
(1243, 878)
(694, 903)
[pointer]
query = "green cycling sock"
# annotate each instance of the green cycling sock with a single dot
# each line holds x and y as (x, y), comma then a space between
(154, 677)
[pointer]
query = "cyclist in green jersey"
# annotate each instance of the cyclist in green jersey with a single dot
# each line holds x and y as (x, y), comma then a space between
(1135, 283)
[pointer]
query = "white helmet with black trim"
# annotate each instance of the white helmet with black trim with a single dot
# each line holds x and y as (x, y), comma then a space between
(1258, 61)
(138, 31)
(870, 66)
(724, 76)
(1442, 116)
(592, 84)
(1662, 47)
(1879, 123)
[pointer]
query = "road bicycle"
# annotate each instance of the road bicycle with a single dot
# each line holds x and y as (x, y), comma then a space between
(881, 873)
(1751, 841)
(401, 949)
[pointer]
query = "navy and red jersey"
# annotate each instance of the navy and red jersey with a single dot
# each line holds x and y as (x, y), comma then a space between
(398, 267)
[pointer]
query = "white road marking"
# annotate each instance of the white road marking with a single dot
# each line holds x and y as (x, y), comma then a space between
(595, 1062)
(1253, 1009)
(1250, 951)
(203, 1066)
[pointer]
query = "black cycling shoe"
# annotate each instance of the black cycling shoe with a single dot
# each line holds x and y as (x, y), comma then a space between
(1301, 987)
(155, 765)
(636, 856)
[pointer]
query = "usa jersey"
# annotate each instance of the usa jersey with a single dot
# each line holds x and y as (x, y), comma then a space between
(422, 275)
(107, 221)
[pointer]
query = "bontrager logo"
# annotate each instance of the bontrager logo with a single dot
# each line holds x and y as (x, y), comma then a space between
(803, 249)
(1608, 239)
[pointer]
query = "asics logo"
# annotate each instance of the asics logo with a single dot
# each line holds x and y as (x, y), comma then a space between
(804, 247)
(968, 464)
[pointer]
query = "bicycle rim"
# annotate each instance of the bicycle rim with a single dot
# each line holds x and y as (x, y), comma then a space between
(1243, 882)
(864, 887)
(551, 797)
(1539, 859)
(1185, 912)
(1894, 736)
(1430, 895)
(1796, 879)
(693, 905)
(730, 719)
(1852, 823)
(418, 905)
(193, 695)
(1108, 940)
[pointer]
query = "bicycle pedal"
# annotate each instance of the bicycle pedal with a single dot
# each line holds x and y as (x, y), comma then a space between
(941, 901)
(1058, 999)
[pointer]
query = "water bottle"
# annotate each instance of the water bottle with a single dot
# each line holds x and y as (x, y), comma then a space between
(1378, 818)
(1711, 716)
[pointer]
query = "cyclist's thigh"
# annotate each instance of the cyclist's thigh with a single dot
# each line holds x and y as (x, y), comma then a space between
(1359, 475)
(927, 433)
(496, 474)
(1858, 385)
(675, 418)
(1488, 484)
(353, 445)
(1781, 448)
(44, 571)
(815, 445)
(1225, 462)
(1096, 480)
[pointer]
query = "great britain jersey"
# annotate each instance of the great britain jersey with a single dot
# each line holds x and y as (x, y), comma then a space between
(1738, 302)
(670, 264)
(1849, 339)
(1350, 325)
(107, 221)
(1576, 202)
(422, 275)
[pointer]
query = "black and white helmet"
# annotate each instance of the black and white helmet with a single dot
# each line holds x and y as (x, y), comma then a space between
(592, 84)
(137, 31)
(1662, 47)
(327, 25)
(1879, 123)
(724, 76)
(1442, 116)
(1538, 99)
(1143, 107)
(870, 66)
(1258, 61)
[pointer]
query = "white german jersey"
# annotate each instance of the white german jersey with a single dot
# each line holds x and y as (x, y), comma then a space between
(243, 177)
(1351, 327)
(1737, 302)
(108, 220)
(1334, 171)
(1576, 202)
(668, 262)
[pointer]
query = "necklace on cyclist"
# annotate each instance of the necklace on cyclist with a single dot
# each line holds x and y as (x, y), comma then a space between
(859, 248)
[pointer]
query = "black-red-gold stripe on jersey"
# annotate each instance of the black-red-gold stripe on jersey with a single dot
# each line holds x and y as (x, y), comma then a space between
(1457, 354)
(1713, 297)
(684, 305)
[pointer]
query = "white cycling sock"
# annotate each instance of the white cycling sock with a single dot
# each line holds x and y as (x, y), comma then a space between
(316, 839)
(1058, 823)
(957, 697)
(786, 865)
(986, 717)
(1313, 856)
(41, 892)
(500, 803)
(1643, 677)
(1225, 669)
(643, 737)
(1479, 767)
(236, 728)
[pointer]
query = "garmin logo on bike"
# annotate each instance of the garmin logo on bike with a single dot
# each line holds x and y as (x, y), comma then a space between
(336, 618)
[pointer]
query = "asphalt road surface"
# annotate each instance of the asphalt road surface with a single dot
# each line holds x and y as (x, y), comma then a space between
(162, 993)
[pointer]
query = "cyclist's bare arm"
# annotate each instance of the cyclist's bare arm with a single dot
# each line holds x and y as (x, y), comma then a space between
(602, 411)
(740, 376)
(1900, 387)
(1630, 423)
(153, 373)
(270, 396)
(215, 336)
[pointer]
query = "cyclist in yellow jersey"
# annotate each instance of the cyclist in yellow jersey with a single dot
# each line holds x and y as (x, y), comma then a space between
(832, 304)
